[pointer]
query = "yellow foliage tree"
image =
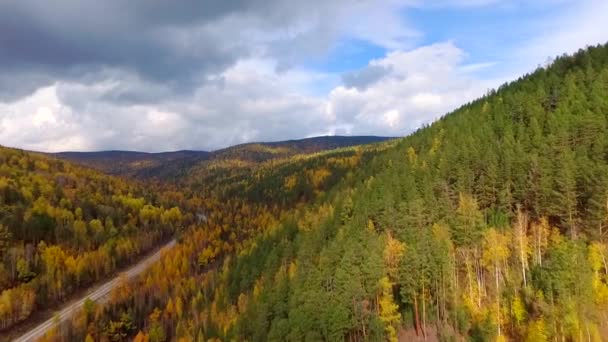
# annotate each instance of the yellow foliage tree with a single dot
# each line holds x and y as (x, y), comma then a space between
(389, 311)
(393, 252)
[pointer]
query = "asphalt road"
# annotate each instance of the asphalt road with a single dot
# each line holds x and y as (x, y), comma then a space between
(98, 294)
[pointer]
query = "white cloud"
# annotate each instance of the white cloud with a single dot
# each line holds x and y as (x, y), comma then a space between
(254, 96)
(578, 24)
(391, 118)
(381, 24)
(43, 115)
(40, 122)
(424, 101)
(422, 85)
(250, 101)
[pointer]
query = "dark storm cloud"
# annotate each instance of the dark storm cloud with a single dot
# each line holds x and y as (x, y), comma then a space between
(66, 40)
(174, 43)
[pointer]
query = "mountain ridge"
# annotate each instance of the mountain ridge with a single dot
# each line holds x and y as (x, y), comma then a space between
(370, 138)
(170, 164)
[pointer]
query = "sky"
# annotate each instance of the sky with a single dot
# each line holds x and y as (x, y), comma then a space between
(160, 75)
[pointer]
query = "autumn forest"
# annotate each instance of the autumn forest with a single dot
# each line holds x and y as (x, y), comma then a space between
(490, 224)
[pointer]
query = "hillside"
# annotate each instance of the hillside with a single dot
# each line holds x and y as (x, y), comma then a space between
(487, 225)
(259, 152)
(169, 171)
(130, 163)
(64, 227)
(94, 224)
(175, 165)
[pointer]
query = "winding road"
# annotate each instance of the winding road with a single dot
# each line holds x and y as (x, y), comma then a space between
(98, 294)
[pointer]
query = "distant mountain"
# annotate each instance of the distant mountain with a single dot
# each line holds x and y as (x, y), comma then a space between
(175, 164)
(262, 151)
(129, 163)
(326, 142)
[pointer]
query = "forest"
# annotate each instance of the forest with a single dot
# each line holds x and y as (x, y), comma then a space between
(82, 226)
(488, 224)
(63, 227)
(173, 166)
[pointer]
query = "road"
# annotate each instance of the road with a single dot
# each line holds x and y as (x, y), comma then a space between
(98, 294)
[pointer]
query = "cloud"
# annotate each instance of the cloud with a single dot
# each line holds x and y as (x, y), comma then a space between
(458, 3)
(40, 122)
(153, 76)
(582, 23)
(178, 46)
(250, 101)
(361, 79)
(416, 87)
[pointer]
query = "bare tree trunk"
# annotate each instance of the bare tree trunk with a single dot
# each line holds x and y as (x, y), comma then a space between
(467, 262)
(438, 298)
(572, 225)
(456, 284)
(423, 312)
(540, 254)
(443, 297)
(521, 236)
(479, 278)
(416, 317)
(496, 276)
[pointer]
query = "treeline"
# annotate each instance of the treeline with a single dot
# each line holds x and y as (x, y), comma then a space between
(490, 224)
(229, 227)
(284, 182)
(63, 227)
(94, 224)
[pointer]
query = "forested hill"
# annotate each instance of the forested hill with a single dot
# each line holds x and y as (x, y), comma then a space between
(175, 165)
(128, 163)
(263, 151)
(64, 227)
(488, 224)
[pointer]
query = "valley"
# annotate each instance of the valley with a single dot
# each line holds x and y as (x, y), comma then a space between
(68, 263)
(484, 223)
(96, 294)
